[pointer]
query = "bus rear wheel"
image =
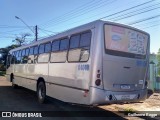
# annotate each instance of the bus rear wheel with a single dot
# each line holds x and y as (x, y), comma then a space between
(41, 92)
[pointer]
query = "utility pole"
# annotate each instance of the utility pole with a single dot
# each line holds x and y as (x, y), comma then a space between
(36, 33)
(36, 28)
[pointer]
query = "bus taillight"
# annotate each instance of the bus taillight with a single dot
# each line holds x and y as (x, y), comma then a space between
(98, 75)
(98, 81)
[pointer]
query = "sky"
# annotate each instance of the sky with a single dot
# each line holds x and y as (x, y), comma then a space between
(54, 16)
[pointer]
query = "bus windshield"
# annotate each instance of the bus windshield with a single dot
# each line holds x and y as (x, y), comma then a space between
(125, 42)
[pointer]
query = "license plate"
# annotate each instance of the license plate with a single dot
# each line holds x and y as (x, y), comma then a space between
(126, 87)
(125, 97)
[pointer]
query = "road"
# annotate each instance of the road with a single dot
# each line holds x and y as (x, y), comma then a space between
(22, 99)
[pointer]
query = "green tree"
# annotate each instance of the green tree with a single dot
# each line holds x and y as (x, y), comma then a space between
(158, 58)
(4, 53)
(18, 42)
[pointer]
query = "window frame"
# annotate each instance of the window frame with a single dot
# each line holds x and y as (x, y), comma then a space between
(45, 47)
(121, 53)
(34, 49)
(63, 39)
(20, 55)
(60, 39)
(44, 52)
(39, 48)
(13, 55)
(52, 44)
(24, 52)
(86, 31)
(28, 51)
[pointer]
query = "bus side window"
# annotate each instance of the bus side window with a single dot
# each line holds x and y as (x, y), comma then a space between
(47, 48)
(31, 56)
(18, 57)
(35, 50)
(74, 51)
(8, 61)
(26, 55)
(79, 47)
(41, 49)
(85, 46)
(55, 46)
(62, 47)
(23, 56)
(44, 52)
(13, 58)
(31, 51)
(35, 53)
(43, 56)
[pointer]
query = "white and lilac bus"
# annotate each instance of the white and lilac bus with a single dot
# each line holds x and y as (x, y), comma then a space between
(97, 63)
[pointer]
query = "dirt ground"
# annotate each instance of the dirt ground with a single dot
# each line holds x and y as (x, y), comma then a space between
(151, 105)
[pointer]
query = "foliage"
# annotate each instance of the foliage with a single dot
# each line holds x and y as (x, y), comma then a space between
(4, 53)
(2, 73)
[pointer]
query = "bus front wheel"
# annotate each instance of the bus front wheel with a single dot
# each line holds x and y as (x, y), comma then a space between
(41, 92)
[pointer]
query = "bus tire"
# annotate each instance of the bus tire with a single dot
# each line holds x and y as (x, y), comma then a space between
(41, 92)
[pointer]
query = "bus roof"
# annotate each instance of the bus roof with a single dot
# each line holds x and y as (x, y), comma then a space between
(75, 30)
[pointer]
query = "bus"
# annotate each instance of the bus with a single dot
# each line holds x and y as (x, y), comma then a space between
(100, 62)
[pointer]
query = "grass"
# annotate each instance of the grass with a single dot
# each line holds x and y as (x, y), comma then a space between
(2, 73)
(129, 110)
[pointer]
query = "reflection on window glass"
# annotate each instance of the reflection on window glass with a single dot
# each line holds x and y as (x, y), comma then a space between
(41, 48)
(13, 58)
(27, 51)
(18, 57)
(20, 53)
(43, 58)
(64, 44)
(35, 50)
(84, 54)
(47, 47)
(74, 55)
(85, 39)
(80, 51)
(74, 41)
(31, 51)
(55, 45)
(58, 56)
(23, 52)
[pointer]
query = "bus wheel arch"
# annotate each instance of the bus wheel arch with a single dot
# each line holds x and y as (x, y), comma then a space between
(41, 90)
